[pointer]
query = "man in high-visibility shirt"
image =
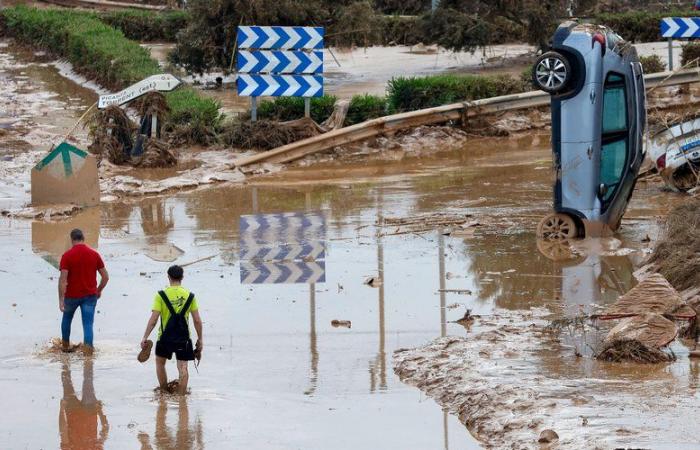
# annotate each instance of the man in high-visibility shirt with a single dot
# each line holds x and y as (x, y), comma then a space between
(174, 305)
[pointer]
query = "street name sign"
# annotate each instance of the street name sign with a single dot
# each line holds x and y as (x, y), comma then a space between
(163, 83)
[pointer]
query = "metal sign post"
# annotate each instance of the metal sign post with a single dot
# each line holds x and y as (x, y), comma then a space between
(679, 28)
(279, 62)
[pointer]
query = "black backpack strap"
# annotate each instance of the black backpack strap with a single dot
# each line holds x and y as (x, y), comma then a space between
(187, 304)
(166, 300)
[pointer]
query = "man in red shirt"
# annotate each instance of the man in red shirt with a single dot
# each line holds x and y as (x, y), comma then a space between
(77, 287)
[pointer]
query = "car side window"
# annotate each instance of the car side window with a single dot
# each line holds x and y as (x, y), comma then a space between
(613, 156)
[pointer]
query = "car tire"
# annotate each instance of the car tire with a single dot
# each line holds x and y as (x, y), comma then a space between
(551, 73)
(557, 227)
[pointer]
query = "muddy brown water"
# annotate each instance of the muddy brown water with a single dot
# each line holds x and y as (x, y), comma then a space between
(276, 374)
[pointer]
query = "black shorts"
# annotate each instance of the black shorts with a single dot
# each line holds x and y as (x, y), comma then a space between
(166, 351)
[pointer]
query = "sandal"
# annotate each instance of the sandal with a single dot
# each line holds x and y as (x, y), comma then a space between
(145, 352)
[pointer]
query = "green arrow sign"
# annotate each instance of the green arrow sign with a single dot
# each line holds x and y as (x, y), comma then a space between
(63, 150)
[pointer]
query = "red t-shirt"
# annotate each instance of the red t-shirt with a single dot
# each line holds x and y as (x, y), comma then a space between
(82, 264)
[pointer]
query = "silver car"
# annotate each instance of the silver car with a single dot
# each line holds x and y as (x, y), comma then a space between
(598, 119)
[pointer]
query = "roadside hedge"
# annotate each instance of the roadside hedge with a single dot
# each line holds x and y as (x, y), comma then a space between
(102, 53)
(640, 25)
(408, 94)
(147, 25)
(290, 108)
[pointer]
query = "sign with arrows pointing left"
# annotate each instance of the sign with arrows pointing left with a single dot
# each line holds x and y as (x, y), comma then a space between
(163, 83)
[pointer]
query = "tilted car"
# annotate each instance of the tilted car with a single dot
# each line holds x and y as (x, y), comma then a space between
(598, 118)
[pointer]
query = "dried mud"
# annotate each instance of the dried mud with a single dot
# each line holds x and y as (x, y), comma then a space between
(493, 382)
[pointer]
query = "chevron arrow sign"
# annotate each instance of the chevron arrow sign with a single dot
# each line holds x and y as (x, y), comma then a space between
(285, 38)
(283, 272)
(680, 27)
(265, 61)
(279, 85)
(283, 252)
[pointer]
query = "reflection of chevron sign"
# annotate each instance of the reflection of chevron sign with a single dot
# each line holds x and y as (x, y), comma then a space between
(280, 37)
(279, 62)
(283, 272)
(680, 27)
(283, 252)
(255, 222)
(279, 85)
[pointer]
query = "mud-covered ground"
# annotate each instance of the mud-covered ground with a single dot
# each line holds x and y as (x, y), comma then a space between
(276, 373)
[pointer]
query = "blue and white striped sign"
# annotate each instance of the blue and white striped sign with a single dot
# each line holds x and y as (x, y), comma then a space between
(280, 85)
(282, 248)
(680, 27)
(285, 38)
(283, 252)
(279, 61)
(282, 272)
(275, 61)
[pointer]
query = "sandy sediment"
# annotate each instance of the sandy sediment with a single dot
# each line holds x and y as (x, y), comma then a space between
(508, 384)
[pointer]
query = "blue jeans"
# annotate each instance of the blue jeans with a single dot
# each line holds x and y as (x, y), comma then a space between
(87, 313)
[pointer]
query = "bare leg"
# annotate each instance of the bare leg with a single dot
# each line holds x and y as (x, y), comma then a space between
(160, 372)
(184, 376)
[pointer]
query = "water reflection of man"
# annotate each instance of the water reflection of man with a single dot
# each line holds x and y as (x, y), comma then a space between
(77, 419)
(184, 438)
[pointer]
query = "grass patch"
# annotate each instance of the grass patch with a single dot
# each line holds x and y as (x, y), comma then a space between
(365, 107)
(409, 94)
(652, 64)
(104, 54)
(291, 108)
(147, 25)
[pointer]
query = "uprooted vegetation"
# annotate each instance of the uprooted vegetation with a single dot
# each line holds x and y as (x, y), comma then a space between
(265, 134)
(102, 53)
(114, 135)
(677, 253)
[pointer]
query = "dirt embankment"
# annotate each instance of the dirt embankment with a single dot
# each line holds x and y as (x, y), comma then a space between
(494, 383)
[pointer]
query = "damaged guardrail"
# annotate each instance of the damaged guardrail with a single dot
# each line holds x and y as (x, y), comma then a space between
(431, 116)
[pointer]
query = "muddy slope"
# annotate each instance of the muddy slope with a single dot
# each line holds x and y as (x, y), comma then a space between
(494, 382)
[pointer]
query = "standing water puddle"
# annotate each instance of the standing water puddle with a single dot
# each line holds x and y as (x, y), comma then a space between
(282, 368)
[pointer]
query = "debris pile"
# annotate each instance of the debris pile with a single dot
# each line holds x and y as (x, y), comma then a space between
(677, 253)
(648, 311)
(115, 136)
(267, 134)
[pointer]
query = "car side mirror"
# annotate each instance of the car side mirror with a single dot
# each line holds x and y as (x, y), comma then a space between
(602, 190)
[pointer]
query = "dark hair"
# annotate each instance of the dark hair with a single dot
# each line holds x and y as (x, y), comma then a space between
(176, 273)
(76, 235)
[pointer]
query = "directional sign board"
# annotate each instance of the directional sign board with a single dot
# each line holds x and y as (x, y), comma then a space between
(164, 83)
(282, 248)
(286, 38)
(680, 27)
(279, 61)
(280, 85)
(67, 175)
(265, 61)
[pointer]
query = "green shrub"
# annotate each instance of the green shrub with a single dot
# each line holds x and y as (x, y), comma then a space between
(147, 25)
(408, 94)
(101, 52)
(365, 107)
(690, 53)
(652, 64)
(291, 108)
(640, 25)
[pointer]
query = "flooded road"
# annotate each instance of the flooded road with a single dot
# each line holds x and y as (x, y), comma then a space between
(276, 373)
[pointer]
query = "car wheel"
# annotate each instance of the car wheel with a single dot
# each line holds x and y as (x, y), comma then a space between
(551, 72)
(557, 226)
